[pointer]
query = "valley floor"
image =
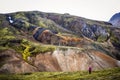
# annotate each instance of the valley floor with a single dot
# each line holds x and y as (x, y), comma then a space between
(109, 74)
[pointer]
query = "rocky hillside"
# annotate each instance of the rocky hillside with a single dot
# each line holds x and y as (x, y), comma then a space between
(37, 41)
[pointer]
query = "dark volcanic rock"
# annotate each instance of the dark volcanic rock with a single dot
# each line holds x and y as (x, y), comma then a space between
(94, 31)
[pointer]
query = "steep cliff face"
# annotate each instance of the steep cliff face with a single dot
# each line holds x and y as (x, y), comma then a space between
(41, 41)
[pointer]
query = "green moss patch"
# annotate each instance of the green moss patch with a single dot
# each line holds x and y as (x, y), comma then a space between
(109, 74)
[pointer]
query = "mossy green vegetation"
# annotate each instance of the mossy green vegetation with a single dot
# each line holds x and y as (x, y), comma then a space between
(20, 15)
(114, 39)
(9, 40)
(27, 48)
(24, 47)
(26, 52)
(43, 49)
(3, 48)
(102, 38)
(6, 34)
(108, 74)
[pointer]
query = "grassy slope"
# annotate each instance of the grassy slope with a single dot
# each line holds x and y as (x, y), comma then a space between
(109, 74)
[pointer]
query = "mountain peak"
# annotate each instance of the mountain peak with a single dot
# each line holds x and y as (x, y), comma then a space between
(115, 19)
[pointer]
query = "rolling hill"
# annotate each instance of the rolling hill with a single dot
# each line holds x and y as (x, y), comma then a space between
(35, 41)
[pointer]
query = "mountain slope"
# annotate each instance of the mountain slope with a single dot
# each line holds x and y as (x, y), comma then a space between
(115, 20)
(42, 41)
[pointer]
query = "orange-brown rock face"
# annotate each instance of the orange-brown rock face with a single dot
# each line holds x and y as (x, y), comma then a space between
(73, 60)
(49, 37)
(11, 62)
(46, 62)
(62, 59)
